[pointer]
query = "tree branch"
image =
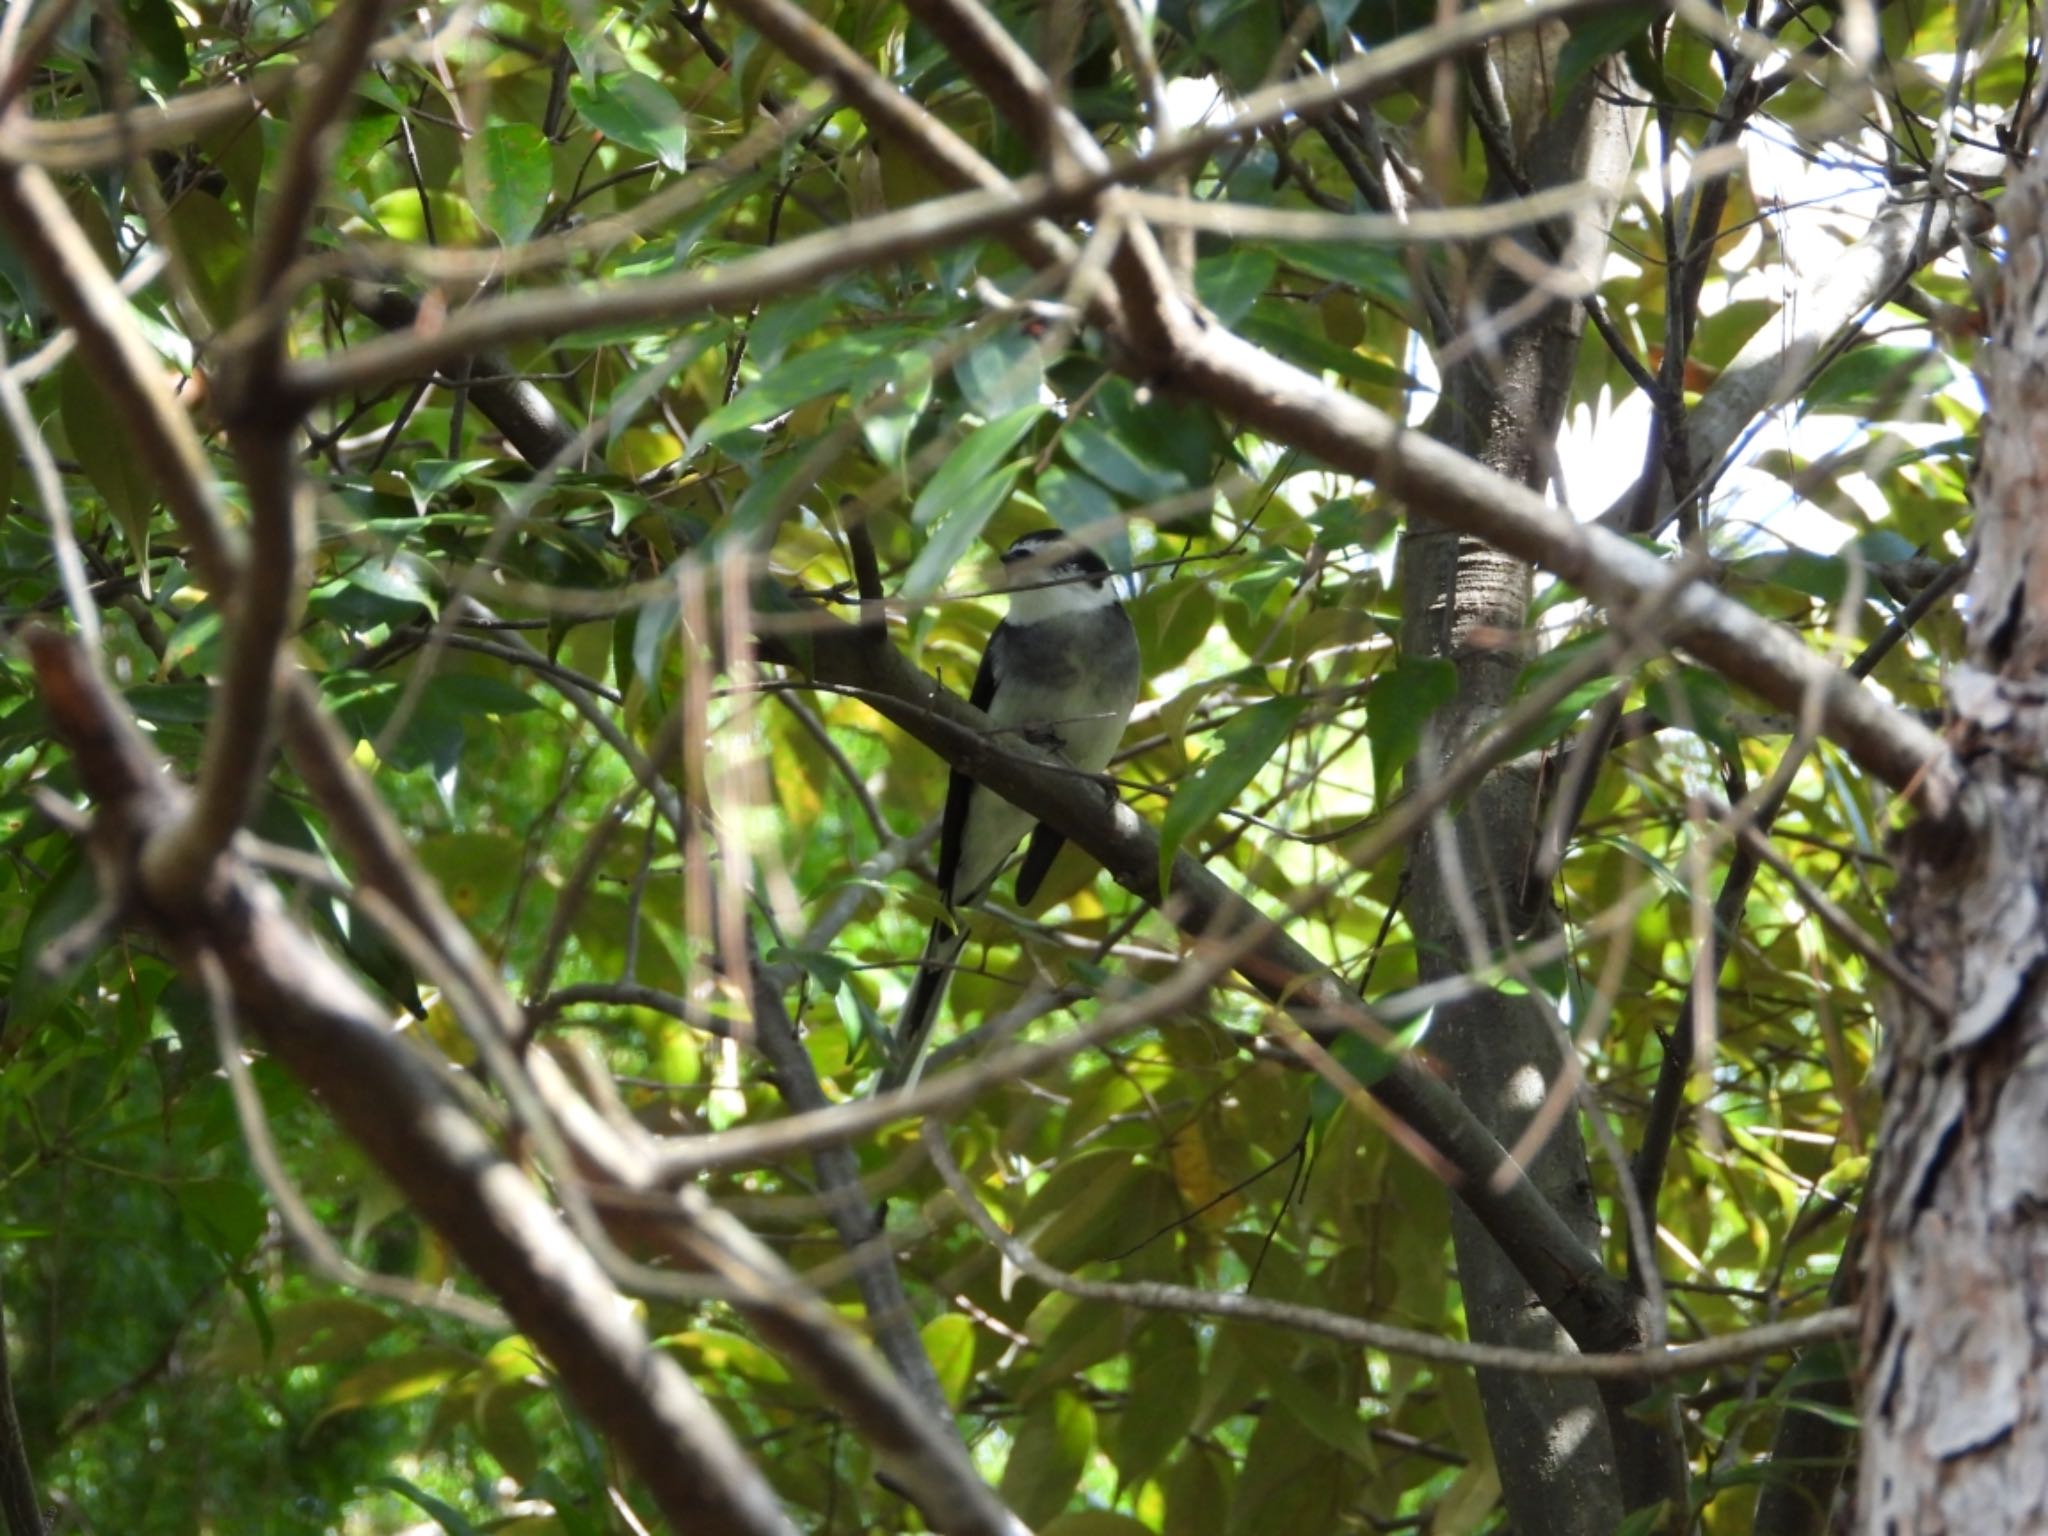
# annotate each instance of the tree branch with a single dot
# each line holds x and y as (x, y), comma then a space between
(510, 401)
(1763, 656)
(1595, 1307)
(1901, 240)
(1160, 1296)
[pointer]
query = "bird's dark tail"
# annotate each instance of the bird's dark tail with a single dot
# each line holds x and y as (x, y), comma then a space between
(921, 1009)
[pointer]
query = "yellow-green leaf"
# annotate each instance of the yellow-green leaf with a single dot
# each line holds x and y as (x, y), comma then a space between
(949, 1340)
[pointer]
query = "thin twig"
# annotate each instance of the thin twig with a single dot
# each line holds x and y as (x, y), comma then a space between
(1159, 1296)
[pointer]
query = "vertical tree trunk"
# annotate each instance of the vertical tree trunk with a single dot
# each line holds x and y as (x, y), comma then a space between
(1956, 1307)
(1468, 603)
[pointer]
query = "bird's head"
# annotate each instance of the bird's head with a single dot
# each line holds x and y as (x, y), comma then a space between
(1051, 574)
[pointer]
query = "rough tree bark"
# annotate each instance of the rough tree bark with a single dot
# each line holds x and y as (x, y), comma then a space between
(1956, 1306)
(1467, 602)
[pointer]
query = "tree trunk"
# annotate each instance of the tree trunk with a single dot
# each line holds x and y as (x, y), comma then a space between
(1466, 602)
(1956, 1306)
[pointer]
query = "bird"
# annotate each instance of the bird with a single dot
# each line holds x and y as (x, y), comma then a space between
(1062, 670)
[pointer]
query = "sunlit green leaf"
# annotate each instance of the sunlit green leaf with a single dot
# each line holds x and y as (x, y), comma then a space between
(1876, 378)
(638, 111)
(1403, 699)
(1245, 745)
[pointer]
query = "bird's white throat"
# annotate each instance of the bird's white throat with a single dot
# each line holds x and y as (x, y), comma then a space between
(1034, 605)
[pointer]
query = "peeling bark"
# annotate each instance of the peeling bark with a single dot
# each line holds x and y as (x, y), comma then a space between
(1956, 1308)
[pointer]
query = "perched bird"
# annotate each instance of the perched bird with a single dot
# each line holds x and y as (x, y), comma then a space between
(1062, 672)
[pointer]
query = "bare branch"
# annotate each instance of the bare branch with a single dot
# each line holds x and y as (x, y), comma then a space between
(1352, 436)
(347, 38)
(108, 138)
(42, 470)
(874, 1267)
(321, 1252)
(625, 994)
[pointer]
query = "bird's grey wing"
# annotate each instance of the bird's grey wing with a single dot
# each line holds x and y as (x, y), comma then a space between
(1045, 847)
(959, 787)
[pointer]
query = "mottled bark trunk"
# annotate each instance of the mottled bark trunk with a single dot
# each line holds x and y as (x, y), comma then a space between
(1956, 1305)
(1466, 602)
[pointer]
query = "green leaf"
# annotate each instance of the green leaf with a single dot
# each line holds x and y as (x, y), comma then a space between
(1290, 1481)
(638, 112)
(1197, 1497)
(1315, 354)
(1694, 699)
(1555, 722)
(442, 1514)
(823, 370)
(1827, 1361)
(718, 1355)
(1366, 1061)
(402, 215)
(1825, 577)
(1592, 39)
(1172, 618)
(1047, 1459)
(63, 902)
(952, 539)
(503, 1429)
(399, 1379)
(99, 440)
(1647, 1521)
(325, 1329)
(213, 247)
(1096, 1522)
(154, 24)
(828, 970)
(1399, 706)
(1231, 283)
(171, 703)
(949, 1340)
(1117, 465)
(509, 171)
(1873, 380)
(1666, 875)
(889, 421)
(469, 693)
(1002, 375)
(226, 1214)
(1181, 437)
(1373, 270)
(402, 577)
(1080, 505)
(971, 462)
(1838, 1414)
(1166, 1377)
(1248, 743)
(476, 870)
